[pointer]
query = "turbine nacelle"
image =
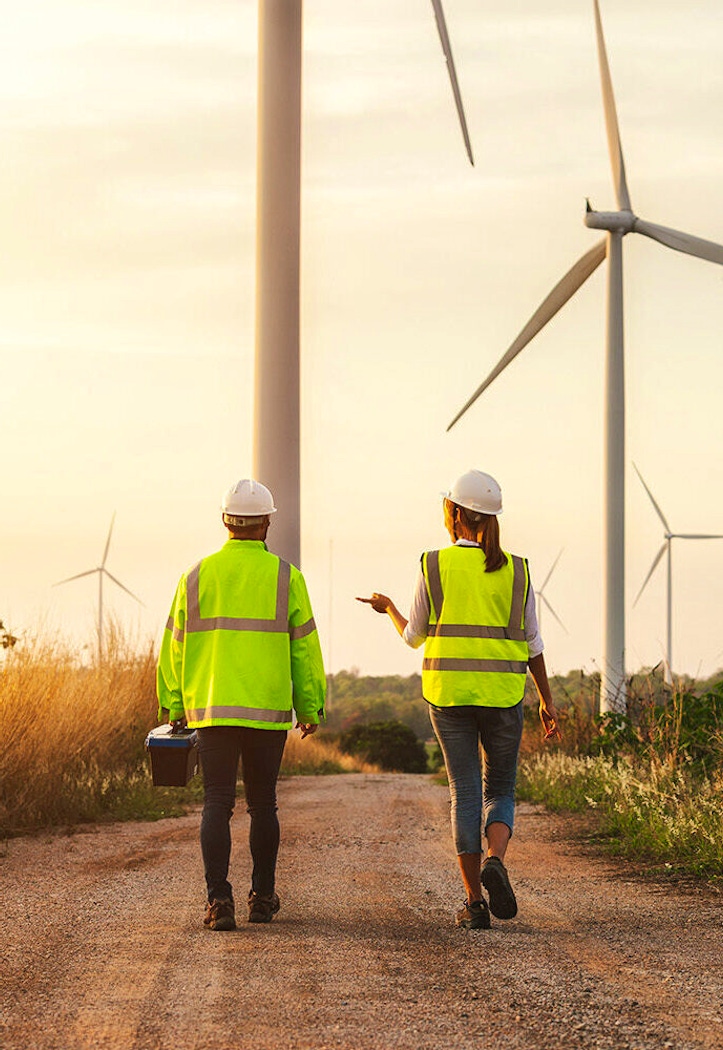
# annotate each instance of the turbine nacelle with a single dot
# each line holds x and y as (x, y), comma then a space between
(613, 221)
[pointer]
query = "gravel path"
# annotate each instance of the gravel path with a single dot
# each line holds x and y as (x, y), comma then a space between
(104, 948)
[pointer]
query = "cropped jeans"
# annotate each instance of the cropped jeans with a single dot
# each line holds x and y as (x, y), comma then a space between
(260, 752)
(474, 794)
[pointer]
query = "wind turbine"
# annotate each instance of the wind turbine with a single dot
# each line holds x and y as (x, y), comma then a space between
(616, 224)
(540, 594)
(102, 571)
(667, 546)
(276, 455)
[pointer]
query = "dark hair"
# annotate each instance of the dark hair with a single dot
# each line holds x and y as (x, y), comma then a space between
(486, 530)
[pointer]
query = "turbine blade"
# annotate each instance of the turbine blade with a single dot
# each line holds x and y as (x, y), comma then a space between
(107, 542)
(544, 584)
(563, 290)
(653, 567)
(611, 119)
(447, 49)
(77, 576)
(681, 242)
(697, 536)
(122, 586)
(652, 500)
(544, 599)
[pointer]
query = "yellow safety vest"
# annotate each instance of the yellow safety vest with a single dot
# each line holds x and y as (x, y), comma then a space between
(475, 652)
(241, 646)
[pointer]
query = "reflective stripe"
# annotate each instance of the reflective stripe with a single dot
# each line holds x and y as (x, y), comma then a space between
(302, 630)
(279, 625)
(518, 592)
(435, 581)
(452, 664)
(251, 714)
(177, 632)
(470, 630)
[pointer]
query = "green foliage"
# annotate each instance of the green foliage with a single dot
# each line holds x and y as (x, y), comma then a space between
(645, 809)
(390, 745)
(354, 700)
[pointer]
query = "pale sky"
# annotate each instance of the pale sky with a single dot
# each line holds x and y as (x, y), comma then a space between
(127, 207)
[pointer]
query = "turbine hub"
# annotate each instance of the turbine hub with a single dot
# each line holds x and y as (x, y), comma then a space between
(614, 221)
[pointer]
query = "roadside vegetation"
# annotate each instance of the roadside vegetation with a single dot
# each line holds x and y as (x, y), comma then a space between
(649, 782)
(651, 779)
(73, 740)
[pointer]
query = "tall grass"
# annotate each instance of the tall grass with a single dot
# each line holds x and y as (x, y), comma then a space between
(72, 739)
(652, 779)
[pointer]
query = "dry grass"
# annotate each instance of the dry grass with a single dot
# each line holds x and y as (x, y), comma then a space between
(73, 739)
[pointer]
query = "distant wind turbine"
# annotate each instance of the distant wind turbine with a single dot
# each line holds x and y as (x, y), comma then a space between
(667, 546)
(102, 571)
(616, 224)
(276, 455)
(540, 595)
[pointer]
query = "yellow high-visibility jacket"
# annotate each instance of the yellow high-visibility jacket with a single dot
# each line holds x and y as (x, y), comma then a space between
(475, 652)
(241, 646)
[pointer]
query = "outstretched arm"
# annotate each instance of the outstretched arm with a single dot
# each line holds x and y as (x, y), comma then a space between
(381, 604)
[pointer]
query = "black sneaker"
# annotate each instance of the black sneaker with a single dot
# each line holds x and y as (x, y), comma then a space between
(263, 909)
(474, 916)
(494, 879)
(220, 915)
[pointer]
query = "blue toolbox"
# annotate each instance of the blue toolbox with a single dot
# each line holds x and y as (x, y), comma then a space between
(174, 755)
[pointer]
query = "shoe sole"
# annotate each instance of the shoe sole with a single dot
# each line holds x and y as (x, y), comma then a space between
(503, 904)
(471, 924)
(222, 925)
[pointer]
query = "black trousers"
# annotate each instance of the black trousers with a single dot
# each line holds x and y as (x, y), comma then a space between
(260, 752)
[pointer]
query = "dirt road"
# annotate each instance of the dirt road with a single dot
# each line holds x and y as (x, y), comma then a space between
(104, 948)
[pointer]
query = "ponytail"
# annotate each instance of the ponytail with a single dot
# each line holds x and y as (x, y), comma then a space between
(485, 529)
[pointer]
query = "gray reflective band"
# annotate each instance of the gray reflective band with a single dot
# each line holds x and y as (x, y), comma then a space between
(279, 625)
(250, 714)
(498, 666)
(177, 632)
(471, 630)
(435, 581)
(518, 591)
(302, 630)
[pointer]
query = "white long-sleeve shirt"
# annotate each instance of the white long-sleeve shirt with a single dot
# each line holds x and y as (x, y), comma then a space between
(415, 633)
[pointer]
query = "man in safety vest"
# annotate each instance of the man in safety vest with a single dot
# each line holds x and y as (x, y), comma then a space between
(239, 654)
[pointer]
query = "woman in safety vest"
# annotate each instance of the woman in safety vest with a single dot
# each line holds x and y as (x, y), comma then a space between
(474, 611)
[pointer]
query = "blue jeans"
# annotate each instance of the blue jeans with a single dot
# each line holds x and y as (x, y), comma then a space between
(460, 731)
(260, 751)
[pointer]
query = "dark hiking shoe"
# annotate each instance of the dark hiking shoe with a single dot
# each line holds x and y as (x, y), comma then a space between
(474, 916)
(263, 909)
(220, 915)
(494, 879)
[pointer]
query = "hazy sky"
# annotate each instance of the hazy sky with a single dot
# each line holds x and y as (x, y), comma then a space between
(127, 298)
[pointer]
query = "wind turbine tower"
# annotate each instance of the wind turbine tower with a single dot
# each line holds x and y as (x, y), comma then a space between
(276, 457)
(667, 548)
(616, 225)
(102, 571)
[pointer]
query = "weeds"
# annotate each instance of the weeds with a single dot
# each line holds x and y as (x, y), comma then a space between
(73, 740)
(652, 777)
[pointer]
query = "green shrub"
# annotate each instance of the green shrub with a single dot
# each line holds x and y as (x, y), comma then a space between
(392, 746)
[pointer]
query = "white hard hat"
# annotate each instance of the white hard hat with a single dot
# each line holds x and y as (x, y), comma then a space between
(476, 491)
(248, 499)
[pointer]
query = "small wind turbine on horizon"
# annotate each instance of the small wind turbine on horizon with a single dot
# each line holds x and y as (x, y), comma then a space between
(616, 224)
(276, 436)
(667, 547)
(540, 595)
(102, 571)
